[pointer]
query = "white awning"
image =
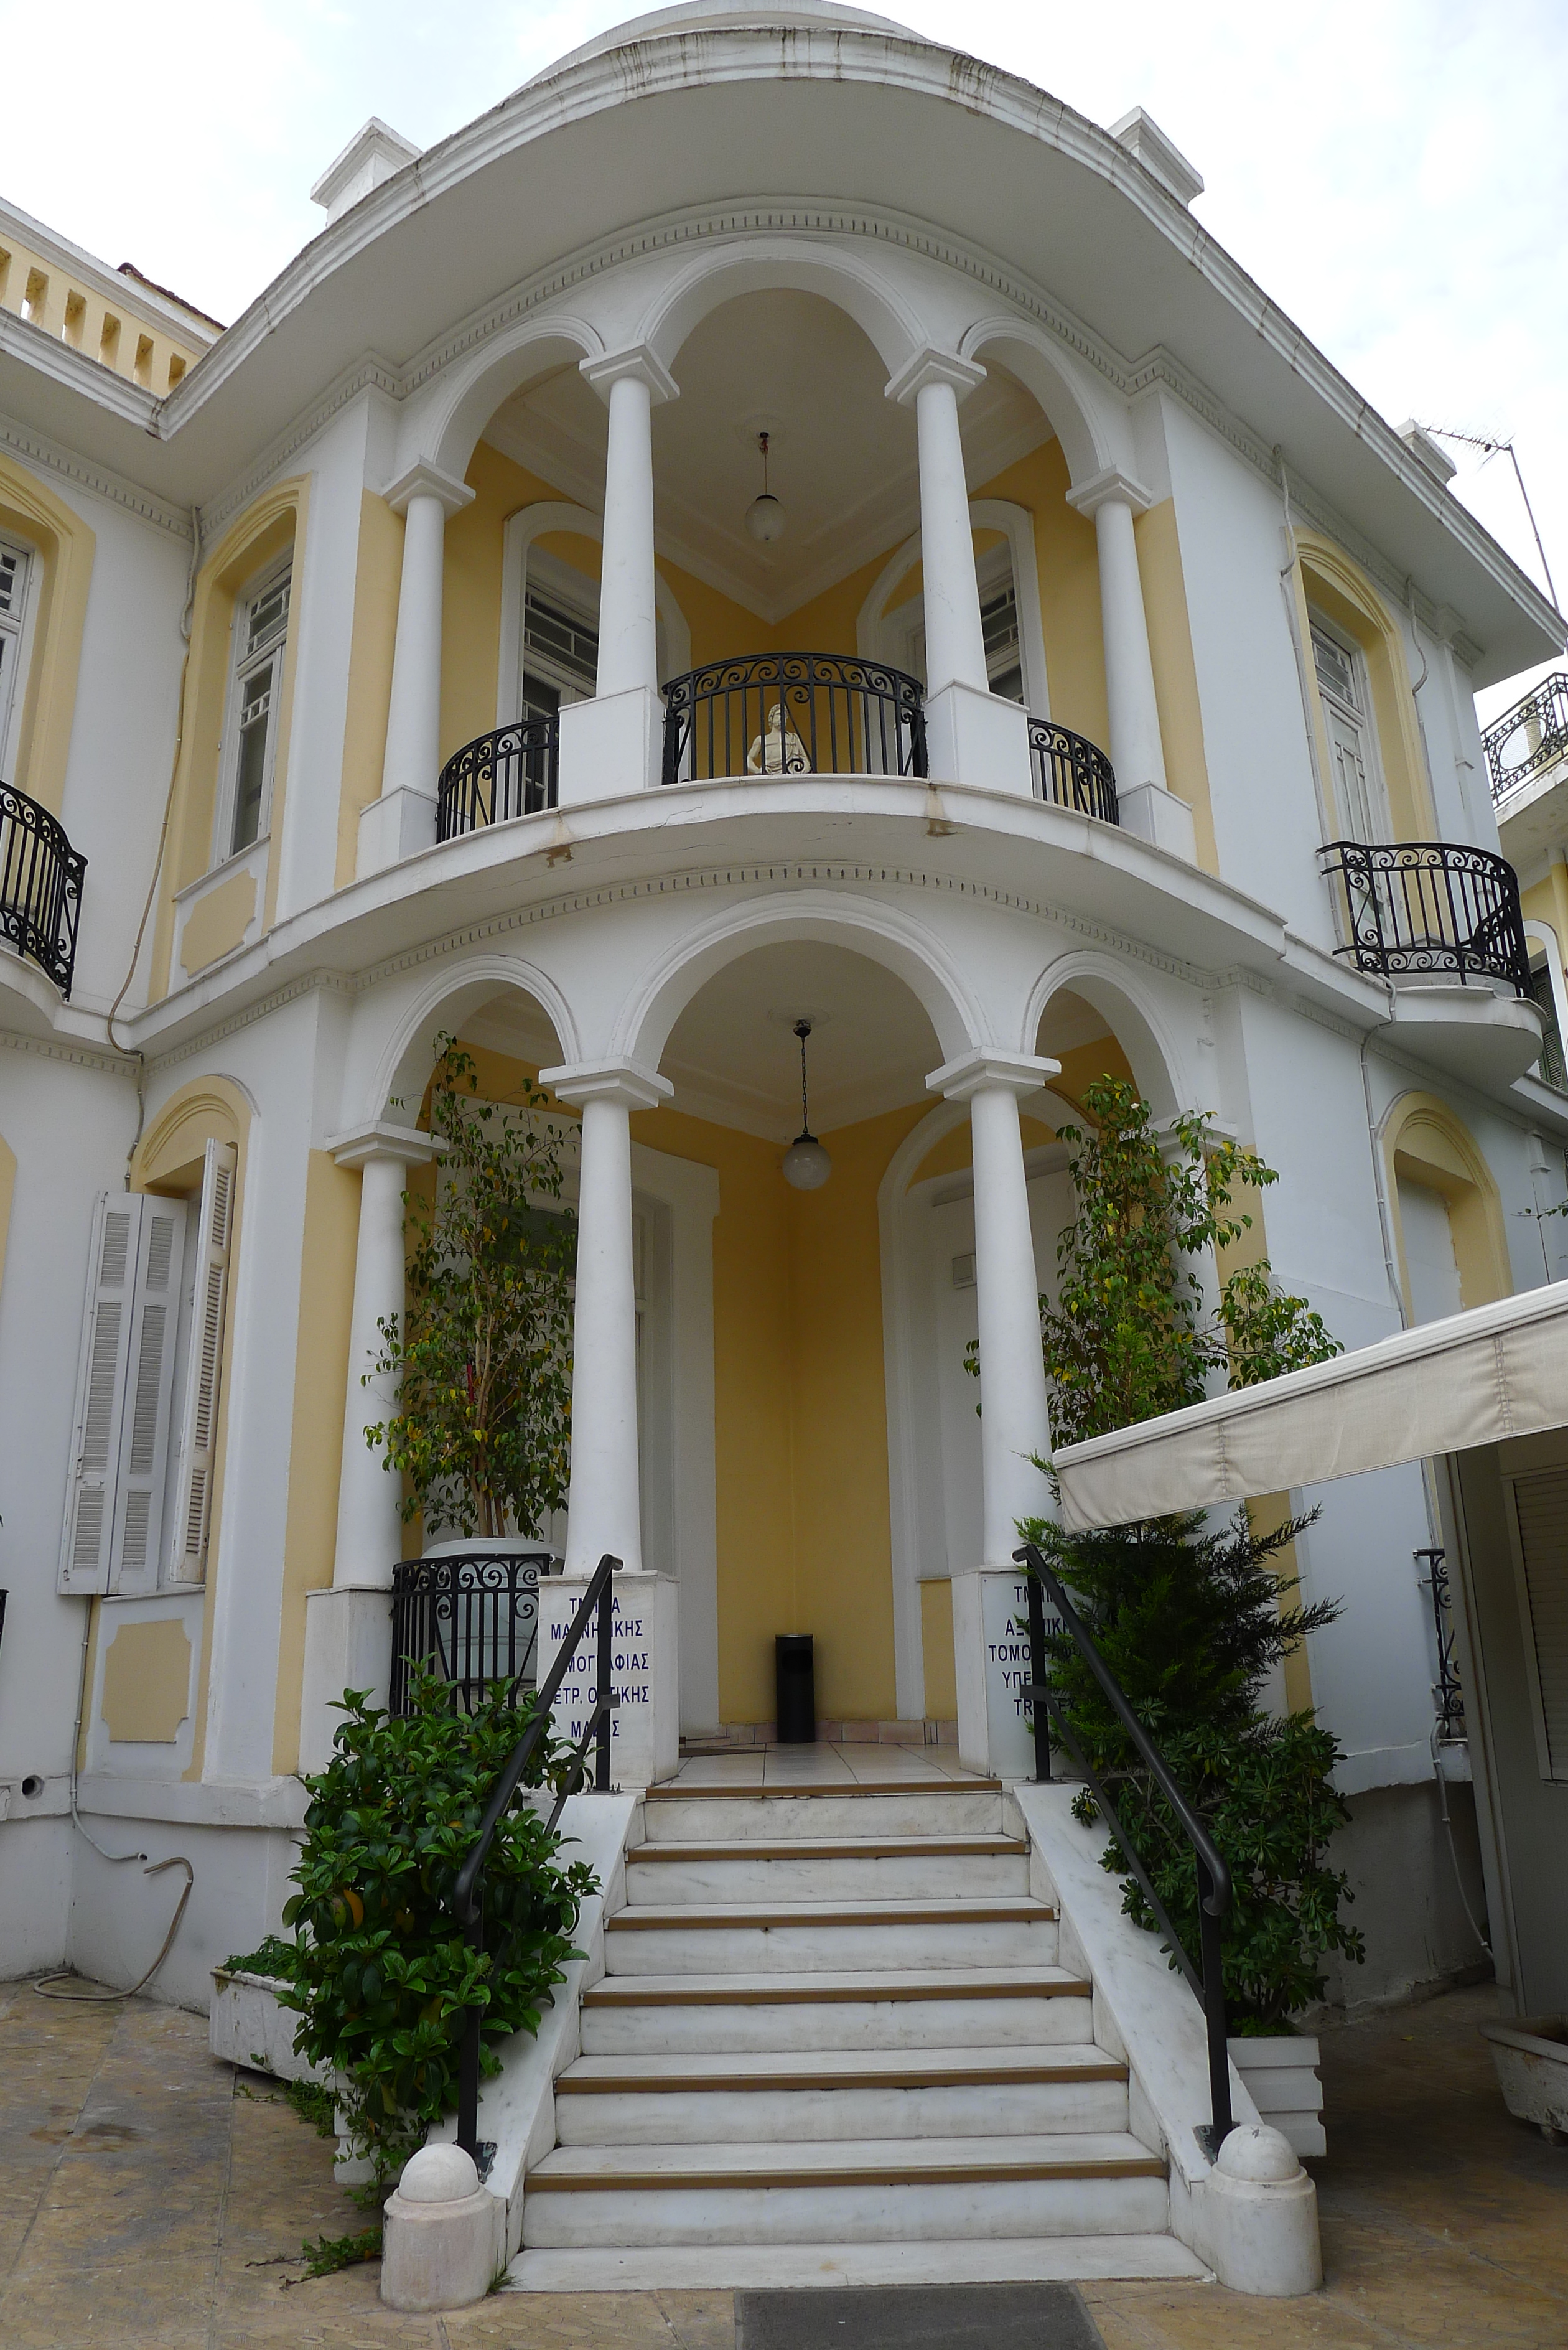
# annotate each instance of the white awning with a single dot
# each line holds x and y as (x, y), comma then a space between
(1497, 1371)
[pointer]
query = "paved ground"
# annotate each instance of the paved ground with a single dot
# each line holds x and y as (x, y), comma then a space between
(146, 2193)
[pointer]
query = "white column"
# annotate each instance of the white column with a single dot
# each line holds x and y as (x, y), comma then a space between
(611, 745)
(604, 1506)
(403, 819)
(1146, 805)
(1014, 1422)
(972, 736)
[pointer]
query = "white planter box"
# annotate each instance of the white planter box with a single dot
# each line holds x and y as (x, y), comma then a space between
(248, 2027)
(1282, 2079)
(1531, 2052)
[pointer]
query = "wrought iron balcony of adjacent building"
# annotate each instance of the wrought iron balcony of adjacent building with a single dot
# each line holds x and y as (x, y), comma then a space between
(759, 716)
(40, 886)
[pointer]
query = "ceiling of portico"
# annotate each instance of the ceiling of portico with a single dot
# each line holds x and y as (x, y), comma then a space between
(842, 459)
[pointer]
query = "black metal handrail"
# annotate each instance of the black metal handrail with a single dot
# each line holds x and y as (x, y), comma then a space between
(1531, 736)
(512, 771)
(1072, 771)
(1213, 1870)
(40, 886)
(471, 1618)
(1448, 1689)
(1419, 909)
(793, 714)
(468, 1900)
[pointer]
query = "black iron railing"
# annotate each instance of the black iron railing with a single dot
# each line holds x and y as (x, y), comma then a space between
(793, 714)
(1072, 771)
(468, 1894)
(1213, 1874)
(513, 772)
(1529, 738)
(1426, 909)
(1448, 1689)
(40, 886)
(472, 1618)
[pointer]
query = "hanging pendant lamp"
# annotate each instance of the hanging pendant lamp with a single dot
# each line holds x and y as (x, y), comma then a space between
(806, 1165)
(764, 516)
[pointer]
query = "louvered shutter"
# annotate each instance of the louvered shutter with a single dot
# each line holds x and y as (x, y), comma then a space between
(192, 1511)
(100, 1393)
(150, 1379)
(1541, 1511)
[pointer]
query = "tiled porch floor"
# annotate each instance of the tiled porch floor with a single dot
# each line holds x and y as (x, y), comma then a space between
(147, 2193)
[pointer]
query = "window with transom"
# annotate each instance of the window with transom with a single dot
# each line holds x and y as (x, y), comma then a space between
(261, 632)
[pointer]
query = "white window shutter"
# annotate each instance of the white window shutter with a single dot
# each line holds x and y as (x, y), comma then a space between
(85, 1548)
(149, 1387)
(192, 1519)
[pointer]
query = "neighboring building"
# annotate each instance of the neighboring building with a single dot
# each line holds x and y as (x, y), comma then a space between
(1123, 605)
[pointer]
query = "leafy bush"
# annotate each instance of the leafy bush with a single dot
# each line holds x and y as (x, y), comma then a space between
(380, 1976)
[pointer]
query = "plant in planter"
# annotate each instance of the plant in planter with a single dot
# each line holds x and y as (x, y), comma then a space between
(1190, 1619)
(481, 1357)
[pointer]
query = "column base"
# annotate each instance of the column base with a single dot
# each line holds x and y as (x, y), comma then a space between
(645, 1728)
(1151, 813)
(347, 1646)
(399, 825)
(990, 1657)
(978, 738)
(612, 744)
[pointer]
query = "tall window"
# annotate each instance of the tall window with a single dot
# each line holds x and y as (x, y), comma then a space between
(1352, 748)
(14, 565)
(260, 629)
(560, 654)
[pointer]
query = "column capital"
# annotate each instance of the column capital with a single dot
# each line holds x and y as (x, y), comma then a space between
(931, 366)
(1110, 483)
(379, 1139)
(972, 1072)
(425, 481)
(638, 361)
(626, 1082)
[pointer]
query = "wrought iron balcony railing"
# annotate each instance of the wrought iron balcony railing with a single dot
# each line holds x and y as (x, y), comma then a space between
(471, 1618)
(40, 886)
(512, 772)
(793, 714)
(1529, 738)
(1417, 909)
(1072, 771)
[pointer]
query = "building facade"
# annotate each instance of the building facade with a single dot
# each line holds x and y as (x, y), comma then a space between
(420, 657)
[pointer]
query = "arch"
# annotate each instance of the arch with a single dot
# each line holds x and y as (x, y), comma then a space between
(849, 280)
(1422, 1138)
(881, 932)
(538, 521)
(1091, 440)
(1016, 524)
(170, 1154)
(465, 397)
(396, 1082)
(1132, 1015)
(1326, 578)
(64, 545)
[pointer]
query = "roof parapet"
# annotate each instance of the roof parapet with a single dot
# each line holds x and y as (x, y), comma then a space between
(1141, 135)
(375, 153)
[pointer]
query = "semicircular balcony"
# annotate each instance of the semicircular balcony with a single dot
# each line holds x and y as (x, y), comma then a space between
(40, 886)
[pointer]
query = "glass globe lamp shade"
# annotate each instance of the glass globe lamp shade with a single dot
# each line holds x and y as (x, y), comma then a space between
(806, 1165)
(765, 519)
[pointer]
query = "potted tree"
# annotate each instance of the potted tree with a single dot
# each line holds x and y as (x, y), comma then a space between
(480, 1361)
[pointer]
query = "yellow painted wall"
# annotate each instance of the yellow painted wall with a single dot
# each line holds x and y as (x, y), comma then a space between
(1067, 553)
(936, 1651)
(377, 574)
(64, 545)
(1175, 671)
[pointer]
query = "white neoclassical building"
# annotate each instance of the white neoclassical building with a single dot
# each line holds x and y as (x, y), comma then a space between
(1091, 691)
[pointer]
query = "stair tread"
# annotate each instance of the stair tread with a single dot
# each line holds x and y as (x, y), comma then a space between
(836, 1848)
(985, 2259)
(850, 1983)
(955, 1908)
(848, 2162)
(810, 2068)
(679, 1792)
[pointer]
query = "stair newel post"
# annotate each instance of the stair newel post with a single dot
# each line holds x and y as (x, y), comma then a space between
(1037, 1705)
(604, 1692)
(468, 2069)
(1208, 1931)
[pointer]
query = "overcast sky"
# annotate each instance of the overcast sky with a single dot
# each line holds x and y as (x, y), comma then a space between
(1394, 172)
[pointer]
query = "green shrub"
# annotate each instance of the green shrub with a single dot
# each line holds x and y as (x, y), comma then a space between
(380, 1976)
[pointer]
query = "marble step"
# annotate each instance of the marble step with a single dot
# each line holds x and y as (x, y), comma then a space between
(800, 1937)
(855, 2191)
(809, 2096)
(731, 2014)
(686, 1814)
(840, 1868)
(730, 2268)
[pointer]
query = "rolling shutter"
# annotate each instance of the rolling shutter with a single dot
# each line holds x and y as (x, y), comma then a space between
(100, 1393)
(1541, 1511)
(137, 1518)
(192, 1519)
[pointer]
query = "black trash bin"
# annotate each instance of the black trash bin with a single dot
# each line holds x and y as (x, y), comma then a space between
(796, 1680)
